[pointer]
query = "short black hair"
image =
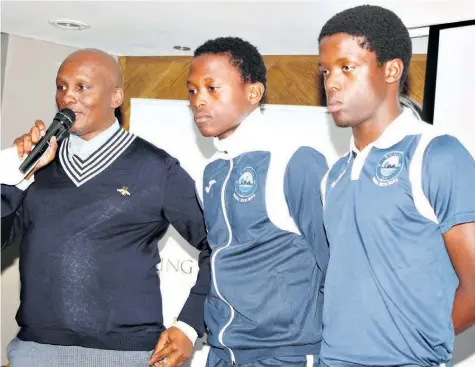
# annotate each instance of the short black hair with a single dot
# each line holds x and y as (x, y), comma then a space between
(244, 56)
(383, 31)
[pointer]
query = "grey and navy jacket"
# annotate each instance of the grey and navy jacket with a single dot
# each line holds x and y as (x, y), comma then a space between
(263, 212)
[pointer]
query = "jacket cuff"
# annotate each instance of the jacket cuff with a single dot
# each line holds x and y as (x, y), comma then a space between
(193, 313)
(188, 330)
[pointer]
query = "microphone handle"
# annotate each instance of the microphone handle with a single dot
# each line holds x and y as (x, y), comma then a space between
(30, 161)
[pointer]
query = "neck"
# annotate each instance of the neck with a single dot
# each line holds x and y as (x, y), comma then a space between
(232, 130)
(101, 129)
(370, 130)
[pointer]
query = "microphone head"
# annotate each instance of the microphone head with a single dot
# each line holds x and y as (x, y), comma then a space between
(67, 116)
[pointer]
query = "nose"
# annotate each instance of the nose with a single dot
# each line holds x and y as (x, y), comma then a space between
(68, 98)
(332, 82)
(199, 100)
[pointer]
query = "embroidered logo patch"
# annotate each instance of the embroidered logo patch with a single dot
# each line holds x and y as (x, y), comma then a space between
(246, 185)
(388, 169)
(210, 184)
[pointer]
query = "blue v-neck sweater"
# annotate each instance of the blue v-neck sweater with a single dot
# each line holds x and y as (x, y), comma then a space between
(89, 246)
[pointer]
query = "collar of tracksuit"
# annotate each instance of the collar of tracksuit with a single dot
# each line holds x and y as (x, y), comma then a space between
(247, 137)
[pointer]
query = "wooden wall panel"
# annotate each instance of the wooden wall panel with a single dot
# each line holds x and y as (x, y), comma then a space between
(416, 78)
(292, 80)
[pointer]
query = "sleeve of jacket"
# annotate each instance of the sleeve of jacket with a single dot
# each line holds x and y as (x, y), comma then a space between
(14, 185)
(11, 228)
(183, 211)
(13, 191)
(304, 173)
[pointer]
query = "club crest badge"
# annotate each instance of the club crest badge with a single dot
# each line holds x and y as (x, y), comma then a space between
(388, 169)
(246, 185)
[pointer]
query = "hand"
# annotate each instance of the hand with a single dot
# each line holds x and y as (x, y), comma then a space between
(24, 145)
(172, 350)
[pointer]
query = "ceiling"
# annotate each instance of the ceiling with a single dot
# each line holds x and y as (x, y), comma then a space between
(137, 28)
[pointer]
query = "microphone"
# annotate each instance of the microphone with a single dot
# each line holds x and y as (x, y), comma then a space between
(62, 122)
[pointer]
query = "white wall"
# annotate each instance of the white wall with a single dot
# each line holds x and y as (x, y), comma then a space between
(29, 89)
(455, 84)
(453, 112)
(4, 56)
(28, 94)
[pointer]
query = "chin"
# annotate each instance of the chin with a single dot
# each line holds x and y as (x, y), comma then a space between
(76, 130)
(341, 121)
(207, 133)
(343, 124)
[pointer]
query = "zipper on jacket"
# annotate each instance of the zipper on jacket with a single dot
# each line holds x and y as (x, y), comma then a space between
(213, 260)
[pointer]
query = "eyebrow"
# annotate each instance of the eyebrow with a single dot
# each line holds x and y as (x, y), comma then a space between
(340, 60)
(207, 79)
(78, 80)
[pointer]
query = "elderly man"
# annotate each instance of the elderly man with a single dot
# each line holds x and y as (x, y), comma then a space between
(91, 216)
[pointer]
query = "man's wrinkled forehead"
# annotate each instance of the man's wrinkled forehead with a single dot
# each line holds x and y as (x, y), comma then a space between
(81, 70)
(93, 64)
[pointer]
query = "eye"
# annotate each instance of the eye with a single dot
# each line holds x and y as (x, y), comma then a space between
(213, 88)
(324, 72)
(83, 87)
(60, 87)
(348, 68)
(191, 91)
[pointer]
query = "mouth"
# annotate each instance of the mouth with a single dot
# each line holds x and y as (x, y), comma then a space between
(78, 114)
(334, 106)
(201, 118)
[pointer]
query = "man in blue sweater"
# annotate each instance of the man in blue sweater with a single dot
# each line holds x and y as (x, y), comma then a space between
(399, 208)
(91, 216)
(263, 211)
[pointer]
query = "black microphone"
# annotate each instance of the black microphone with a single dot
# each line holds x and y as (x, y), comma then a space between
(62, 122)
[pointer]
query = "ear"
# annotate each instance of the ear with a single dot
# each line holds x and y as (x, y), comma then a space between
(117, 97)
(393, 70)
(256, 92)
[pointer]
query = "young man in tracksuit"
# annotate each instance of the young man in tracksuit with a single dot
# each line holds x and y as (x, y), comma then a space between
(399, 209)
(264, 218)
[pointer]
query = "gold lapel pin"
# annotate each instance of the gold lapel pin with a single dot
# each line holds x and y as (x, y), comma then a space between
(124, 191)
